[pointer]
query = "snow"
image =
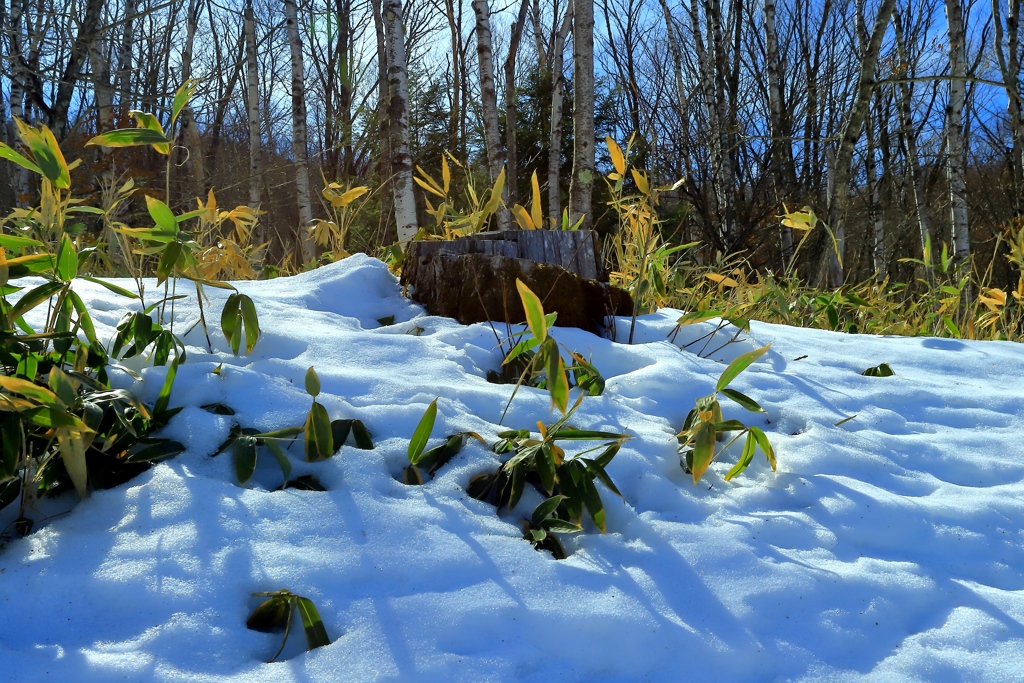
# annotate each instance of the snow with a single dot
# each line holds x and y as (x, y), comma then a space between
(888, 548)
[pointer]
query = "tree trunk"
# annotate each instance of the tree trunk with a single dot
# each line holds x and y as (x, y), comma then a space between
(303, 198)
(511, 97)
(188, 131)
(842, 168)
(489, 101)
(252, 108)
(583, 175)
(383, 101)
(914, 174)
(1009, 68)
(557, 118)
(123, 75)
(780, 150)
(955, 153)
(88, 33)
(398, 122)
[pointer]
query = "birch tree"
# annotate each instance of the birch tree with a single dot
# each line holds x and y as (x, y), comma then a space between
(583, 175)
(299, 154)
(955, 153)
(489, 100)
(398, 121)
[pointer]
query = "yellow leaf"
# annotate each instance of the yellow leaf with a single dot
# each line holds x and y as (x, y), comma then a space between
(446, 174)
(804, 220)
(428, 188)
(523, 218)
(641, 182)
(535, 208)
(722, 280)
(349, 196)
(618, 160)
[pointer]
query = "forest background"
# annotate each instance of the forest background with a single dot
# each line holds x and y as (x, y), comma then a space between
(897, 122)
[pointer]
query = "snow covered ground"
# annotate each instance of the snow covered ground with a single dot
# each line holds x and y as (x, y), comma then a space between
(888, 548)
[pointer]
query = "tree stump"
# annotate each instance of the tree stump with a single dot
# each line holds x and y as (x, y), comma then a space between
(473, 279)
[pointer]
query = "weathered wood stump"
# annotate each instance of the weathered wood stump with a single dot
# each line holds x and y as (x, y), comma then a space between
(473, 279)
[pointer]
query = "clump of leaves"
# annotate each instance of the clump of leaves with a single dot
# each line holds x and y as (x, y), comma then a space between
(61, 424)
(537, 360)
(544, 464)
(322, 437)
(455, 222)
(424, 464)
(705, 425)
(277, 613)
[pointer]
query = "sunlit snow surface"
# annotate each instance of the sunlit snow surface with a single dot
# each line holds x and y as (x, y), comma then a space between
(889, 548)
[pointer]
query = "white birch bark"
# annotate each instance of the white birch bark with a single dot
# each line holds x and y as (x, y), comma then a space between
(557, 118)
(489, 100)
(302, 192)
(252, 101)
(398, 122)
(583, 175)
(955, 153)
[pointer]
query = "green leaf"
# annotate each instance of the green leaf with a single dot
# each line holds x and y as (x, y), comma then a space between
(412, 476)
(598, 473)
(67, 260)
(561, 526)
(29, 390)
(162, 215)
(169, 259)
(243, 455)
(34, 297)
(181, 98)
(573, 434)
(164, 398)
(422, 434)
(251, 321)
(84, 318)
(110, 286)
(739, 365)
(729, 426)
(9, 154)
(279, 455)
(130, 137)
(62, 385)
(18, 243)
(545, 510)
(534, 311)
(882, 370)
(48, 157)
(544, 463)
(762, 441)
(319, 441)
(270, 615)
(558, 383)
(316, 634)
(231, 322)
(745, 458)
(155, 449)
(592, 499)
(744, 400)
(703, 450)
(72, 453)
(312, 382)
(10, 489)
(151, 122)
